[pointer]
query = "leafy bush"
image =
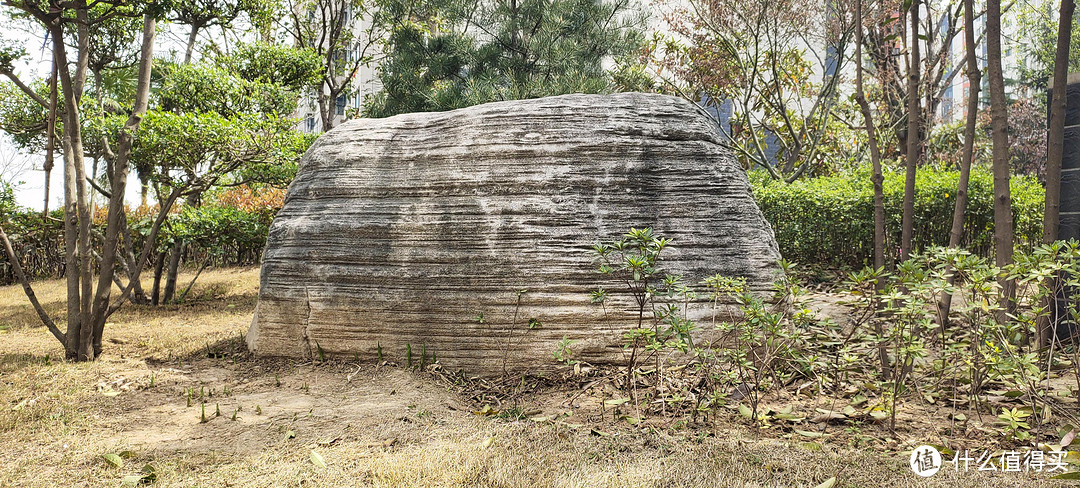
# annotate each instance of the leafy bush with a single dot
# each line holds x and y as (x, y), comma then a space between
(829, 221)
(230, 228)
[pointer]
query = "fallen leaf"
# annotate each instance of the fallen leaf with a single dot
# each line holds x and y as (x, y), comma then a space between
(1068, 438)
(829, 483)
(827, 416)
(317, 459)
(113, 460)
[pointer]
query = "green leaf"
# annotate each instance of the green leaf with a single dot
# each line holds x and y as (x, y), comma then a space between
(317, 459)
(745, 411)
(113, 460)
(1072, 475)
(616, 402)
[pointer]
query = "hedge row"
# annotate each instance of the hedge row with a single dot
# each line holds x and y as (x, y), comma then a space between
(215, 234)
(829, 221)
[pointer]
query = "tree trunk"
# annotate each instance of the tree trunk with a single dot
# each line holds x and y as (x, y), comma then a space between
(1055, 149)
(914, 142)
(325, 113)
(1055, 142)
(999, 123)
(956, 233)
(138, 295)
(50, 144)
(173, 270)
(192, 37)
(73, 334)
(118, 179)
(175, 257)
(875, 159)
(159, 268)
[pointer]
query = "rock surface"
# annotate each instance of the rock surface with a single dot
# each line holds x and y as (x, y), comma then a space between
(420, 231)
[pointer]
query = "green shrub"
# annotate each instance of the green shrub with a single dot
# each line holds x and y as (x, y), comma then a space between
(829, 221)
(216, 234)
(222, 235)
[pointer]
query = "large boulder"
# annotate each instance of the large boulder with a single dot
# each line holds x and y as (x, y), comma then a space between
(420, 231)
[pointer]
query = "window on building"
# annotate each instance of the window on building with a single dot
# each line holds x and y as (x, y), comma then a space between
(310, 123)
(340, 105)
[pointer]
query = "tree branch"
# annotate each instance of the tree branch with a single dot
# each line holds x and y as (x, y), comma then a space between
(21, 276)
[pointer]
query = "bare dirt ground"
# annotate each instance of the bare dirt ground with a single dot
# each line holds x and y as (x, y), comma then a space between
(176, 390)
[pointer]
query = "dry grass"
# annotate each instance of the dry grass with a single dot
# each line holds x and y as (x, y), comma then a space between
(374, 426)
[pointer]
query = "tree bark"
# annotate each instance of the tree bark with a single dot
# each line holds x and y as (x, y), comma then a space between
(159, 268)
(192, 37)
(175, 256)
(876, 178)
(1055, 142)
(50, 143)
(974, 74)
(1055, 150)
(118, 179)
(72, 270)
(138, 295)
(999, 123)
(914, 142)
(173, 270)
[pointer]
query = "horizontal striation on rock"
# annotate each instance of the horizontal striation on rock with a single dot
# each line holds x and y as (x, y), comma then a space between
(403, 232)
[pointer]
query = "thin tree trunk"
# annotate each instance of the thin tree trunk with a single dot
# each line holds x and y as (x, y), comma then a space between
(71, 214)
(1055, 149)
(999, 123)
(118, 179)
(159, 268)
(139, 296)
(914, 142)
(151, 237)
(956, 233)
(324, 112)
(875, 159)
(192, 37)
(1055, 143)
(206, 262)
(175, 257)
(173, 271)
(50, 144)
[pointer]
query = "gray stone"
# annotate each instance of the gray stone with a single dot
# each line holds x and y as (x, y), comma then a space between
(403, 232)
